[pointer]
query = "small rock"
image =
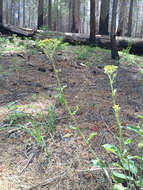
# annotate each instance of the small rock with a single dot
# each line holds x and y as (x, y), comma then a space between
(42, 69)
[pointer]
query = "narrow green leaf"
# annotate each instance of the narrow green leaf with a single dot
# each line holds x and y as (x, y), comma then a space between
(128, 141)
(133, 157)
(118, 187)
(115, 164)
(72, 127)
(98, 163)
(91, 136)
(141, 164)
(118, 177)
(130, 166)
(111, 148)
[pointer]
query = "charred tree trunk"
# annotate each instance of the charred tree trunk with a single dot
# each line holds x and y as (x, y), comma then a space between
(130, 19)
(121, 18)
(70, 15)
(1, 11)
(114, 51)
(56, 15)
(50, 14)
(104, 17)
(40, 13)
(92, 21)
(76, 16)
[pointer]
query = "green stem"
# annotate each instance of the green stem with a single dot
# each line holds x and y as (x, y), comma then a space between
(116, 114)
(69, 110)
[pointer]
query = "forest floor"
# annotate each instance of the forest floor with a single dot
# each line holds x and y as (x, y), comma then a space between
(28, 80)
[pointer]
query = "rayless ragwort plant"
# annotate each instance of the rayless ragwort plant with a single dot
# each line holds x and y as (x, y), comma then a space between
(129, 172)
(49, 47)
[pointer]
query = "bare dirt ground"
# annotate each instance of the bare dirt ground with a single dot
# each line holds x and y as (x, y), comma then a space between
(24, 165)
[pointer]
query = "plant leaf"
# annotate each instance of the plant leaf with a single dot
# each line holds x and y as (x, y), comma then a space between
(141, 164)
(118, 187)
(98, 163)
(136, 129)
(130, 166)
(119, 177)
(116, 164)
(133, 157)
(128, 141)
(72, 127)
(91, 136)
(111, 148)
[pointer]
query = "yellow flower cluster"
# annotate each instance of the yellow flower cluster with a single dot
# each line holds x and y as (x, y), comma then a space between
(110, 69)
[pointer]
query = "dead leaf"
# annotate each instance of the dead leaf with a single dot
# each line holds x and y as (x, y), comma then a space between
(68, 135)
(67, 131)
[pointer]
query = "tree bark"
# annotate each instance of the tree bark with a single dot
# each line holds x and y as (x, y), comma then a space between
(121, 17)
(70, 5)
(130, 19)
(40, 13)
(104, 17)
(92, 21)
(76, 16)
(56, 15)
(1, 10)
(114, 51)
(50, 14)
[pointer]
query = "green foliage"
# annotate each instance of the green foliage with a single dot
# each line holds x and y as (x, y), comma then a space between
(51, 120)
(83, 52)
(35, 131)
(45, 27)
(118, 187)
(59, 95)
(38, 129)
(129, 169)
(127, 50)
(49, 47)
(15, 115)
(16, 44)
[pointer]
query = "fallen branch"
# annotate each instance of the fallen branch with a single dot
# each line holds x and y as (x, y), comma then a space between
(96, 169)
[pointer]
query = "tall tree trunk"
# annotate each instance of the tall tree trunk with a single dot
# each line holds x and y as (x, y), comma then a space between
(104, 17)
(130, 19)
(55, 15)
(92, 20)
(141, 33)
(76, 16)
(23, 13)
(70, 15)
(114, 51)
(1, 11)
(40, 13)
(50, 14)
(121, 17)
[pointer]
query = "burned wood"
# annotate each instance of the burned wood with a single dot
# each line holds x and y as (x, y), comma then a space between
(101, 41)
(19, 30)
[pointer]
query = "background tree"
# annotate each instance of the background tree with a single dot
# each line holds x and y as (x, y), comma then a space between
(0, 11)
(70, 6)
(130, 19)
(114, 51)
(76, 16)
(122, 10)
(50, 14)
(104, 17)
(92, 20)
(40, 12)
(56, 15)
